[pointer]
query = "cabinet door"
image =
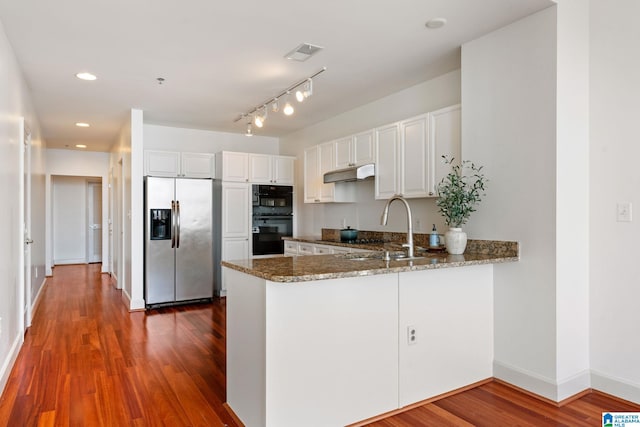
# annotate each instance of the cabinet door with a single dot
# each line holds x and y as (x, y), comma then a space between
(327, 163)
(311, 173)
(322, 250)
(363, 152)
(197, 165)
(306, 249)
(235, 249)
(283, 169)
(235, 166)
(161, 163)
(454, 342)
(414, 157)
(260, 169)
(236, 214)
(343, 152)
(386, 145)
(444, 136)
(290, 248)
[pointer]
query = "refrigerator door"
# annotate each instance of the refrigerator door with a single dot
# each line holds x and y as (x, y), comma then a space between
(194, 241)
(159, 255)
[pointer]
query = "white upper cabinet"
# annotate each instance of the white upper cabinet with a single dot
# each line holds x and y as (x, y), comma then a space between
(414, 157)
(268, 169)
(354, 150)
(318, 160)
(387, 156)
(444, 133)
(236, 210)
(198, 165)
(232, 166)
(176, 164)
(312, 174)
(409, 153)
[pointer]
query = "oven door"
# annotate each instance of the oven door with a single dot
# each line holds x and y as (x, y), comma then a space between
(268, 244)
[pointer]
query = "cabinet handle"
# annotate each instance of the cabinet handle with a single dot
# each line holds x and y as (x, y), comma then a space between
(431, 193)
(316, 200)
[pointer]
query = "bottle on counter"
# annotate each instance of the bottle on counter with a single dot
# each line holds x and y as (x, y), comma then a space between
(434, 238)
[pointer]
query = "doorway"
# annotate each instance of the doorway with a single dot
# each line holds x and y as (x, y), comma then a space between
(76, 219)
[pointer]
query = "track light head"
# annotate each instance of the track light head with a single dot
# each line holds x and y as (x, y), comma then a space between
(305, 91)
(260, 117)
(249, 130)
(288, 108)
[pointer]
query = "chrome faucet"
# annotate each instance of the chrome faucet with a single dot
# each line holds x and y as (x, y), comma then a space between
(385, 216)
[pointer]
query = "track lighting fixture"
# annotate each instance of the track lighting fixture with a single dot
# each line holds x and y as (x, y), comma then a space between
(259, 119)
(288, 108)
(249, 132)
(303, 89)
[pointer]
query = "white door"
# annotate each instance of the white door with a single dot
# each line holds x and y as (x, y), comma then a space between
(26, 161)
(94, 221)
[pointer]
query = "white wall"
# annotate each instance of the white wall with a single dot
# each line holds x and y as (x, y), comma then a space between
(365, 214)
(76, 163)
(203, 141)
(615, 150)
(509, 126)
(572, 198)
(15, 104)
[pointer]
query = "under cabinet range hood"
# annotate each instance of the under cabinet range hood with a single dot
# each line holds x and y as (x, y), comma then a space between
(355, 173)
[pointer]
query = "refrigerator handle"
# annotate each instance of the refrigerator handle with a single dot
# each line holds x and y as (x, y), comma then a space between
(173, 224)
(178, 223)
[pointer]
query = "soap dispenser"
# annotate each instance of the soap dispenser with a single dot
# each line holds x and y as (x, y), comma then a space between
(434, 238)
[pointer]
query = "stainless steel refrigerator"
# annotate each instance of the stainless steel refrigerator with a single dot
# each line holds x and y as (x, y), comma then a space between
(178, 240)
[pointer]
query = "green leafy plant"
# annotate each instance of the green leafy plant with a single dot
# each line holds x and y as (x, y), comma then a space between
(460, 191)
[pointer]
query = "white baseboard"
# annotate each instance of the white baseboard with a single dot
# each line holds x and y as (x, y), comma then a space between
(69, 261)
(561, 390)
(133, 305)
(615, 386)
(10, 360)
(529, 381)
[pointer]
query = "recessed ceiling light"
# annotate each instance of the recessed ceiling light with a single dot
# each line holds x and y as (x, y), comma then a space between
(436, 23)
(86, 76)
(82, 125)
(81, 146)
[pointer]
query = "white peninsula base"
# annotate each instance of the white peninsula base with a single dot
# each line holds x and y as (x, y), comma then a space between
(334, 352)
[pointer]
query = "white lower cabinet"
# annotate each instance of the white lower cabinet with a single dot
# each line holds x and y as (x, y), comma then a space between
(343, 343)
(451, 312)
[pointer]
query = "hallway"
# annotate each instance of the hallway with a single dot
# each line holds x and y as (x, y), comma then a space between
(87, 361)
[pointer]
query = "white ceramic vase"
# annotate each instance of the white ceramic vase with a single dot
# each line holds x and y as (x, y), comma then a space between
(455, 240)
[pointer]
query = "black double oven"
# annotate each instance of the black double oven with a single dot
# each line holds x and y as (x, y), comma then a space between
(272, 218)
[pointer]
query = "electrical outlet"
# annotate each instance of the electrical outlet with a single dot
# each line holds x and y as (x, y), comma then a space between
(623, 210)
(418, 225)
(412, 337)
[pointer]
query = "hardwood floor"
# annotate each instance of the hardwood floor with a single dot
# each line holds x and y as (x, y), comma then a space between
(87, 361)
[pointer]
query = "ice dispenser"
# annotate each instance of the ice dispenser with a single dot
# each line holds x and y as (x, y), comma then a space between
(160, 224)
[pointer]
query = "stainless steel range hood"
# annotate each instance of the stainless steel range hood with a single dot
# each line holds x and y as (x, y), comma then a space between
(355, 173)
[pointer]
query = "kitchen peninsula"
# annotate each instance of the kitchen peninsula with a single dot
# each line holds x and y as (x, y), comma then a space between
(330, 340)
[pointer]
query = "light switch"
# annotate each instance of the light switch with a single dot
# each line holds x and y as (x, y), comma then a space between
(623, 210)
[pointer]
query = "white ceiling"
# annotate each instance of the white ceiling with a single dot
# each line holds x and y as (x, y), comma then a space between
(222, 58)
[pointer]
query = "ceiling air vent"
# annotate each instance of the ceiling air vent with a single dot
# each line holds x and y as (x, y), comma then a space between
(303, 52)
